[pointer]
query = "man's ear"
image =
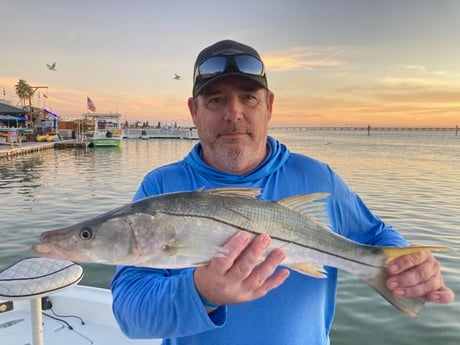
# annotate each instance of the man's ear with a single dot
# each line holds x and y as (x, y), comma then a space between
(270, 99)
(192, 108)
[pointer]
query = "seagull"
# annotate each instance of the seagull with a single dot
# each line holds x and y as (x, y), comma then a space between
(177, 76)
(52, 67)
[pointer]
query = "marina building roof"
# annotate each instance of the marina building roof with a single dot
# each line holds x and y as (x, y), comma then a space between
(6, 109)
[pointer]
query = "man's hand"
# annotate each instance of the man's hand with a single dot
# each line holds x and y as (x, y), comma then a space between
(244, 274)
(418, 274)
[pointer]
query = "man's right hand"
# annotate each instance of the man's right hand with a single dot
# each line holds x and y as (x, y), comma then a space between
(243, 274)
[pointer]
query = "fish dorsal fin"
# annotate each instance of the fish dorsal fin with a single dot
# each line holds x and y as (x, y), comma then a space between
(243, 192)
(311, 205)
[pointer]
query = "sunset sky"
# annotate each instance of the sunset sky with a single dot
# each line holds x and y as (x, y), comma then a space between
(329, 62)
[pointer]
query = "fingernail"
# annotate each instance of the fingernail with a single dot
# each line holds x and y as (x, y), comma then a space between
(393, 268)
(265, 241)
(399, 292)
(392, 285)
(435, 297)
(243, 236)
(281, 256)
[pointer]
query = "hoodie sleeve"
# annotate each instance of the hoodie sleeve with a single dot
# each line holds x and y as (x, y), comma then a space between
(151, 303)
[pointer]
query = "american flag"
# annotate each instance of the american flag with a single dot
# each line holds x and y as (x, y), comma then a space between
(91, 105)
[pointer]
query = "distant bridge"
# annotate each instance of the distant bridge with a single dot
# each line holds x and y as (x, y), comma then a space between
(353, 128)
(369, 129)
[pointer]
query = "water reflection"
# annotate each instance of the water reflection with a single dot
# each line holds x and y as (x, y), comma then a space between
(21, 176)
(409, 179)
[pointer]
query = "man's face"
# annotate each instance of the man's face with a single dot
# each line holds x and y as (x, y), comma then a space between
(232, 116)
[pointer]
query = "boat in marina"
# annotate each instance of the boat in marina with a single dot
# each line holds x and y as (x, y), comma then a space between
(107, 129)
(40, 304)
(162, 133)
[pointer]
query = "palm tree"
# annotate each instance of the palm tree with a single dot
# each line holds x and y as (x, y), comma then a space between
(24, 91)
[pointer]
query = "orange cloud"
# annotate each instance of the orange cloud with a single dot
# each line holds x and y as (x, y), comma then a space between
(300, 58)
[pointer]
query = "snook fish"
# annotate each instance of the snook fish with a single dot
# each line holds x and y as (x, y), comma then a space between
(186, 229)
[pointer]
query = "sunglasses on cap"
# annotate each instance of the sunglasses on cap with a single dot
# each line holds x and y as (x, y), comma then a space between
(220, 64)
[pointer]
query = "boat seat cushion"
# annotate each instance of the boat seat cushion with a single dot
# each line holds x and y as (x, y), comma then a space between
(36, 277)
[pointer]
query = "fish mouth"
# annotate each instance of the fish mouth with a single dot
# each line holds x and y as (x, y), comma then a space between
(48, 251)
(40, 249)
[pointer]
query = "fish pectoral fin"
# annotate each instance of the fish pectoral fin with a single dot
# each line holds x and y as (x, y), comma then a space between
(196, 250)
(173, 250)
(200, 263)
(315, 271)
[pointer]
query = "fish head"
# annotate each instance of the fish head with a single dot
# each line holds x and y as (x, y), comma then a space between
(121, 237)
(104, 239)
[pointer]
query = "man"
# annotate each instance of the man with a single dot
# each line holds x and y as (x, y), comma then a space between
(245, 297)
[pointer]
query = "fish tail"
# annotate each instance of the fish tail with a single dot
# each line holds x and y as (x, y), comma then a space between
(409, 306)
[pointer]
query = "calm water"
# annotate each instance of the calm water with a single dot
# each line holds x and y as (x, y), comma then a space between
(410, 179)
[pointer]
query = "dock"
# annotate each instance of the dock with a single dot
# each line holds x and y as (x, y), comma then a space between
(16, 149)
(8, 150)
(66, 144)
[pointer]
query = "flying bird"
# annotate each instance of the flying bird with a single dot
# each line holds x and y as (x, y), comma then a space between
(177, 76)
(52, 67)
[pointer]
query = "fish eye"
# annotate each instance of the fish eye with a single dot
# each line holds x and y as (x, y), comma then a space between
(86, 234)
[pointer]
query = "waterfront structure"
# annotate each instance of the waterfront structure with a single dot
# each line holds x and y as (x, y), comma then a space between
(107, 129)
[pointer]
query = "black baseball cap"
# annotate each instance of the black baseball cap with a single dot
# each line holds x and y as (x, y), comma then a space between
(226, 58)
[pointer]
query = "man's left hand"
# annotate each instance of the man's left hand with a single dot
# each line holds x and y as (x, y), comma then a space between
(418, 275)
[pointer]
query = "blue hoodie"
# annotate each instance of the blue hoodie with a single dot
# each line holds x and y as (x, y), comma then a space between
(154, 303)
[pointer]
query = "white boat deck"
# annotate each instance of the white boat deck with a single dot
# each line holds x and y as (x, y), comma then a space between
(72, 306)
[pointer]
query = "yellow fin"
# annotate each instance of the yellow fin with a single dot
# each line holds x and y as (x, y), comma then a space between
(392, 253)
(310, 270)
(409, 306)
